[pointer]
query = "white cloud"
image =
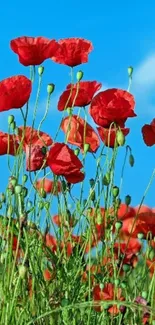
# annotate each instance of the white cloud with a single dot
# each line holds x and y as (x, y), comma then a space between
(144, 74)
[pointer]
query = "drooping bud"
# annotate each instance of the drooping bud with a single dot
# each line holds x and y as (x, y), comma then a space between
(79, 75)
(40, 70)
(127, 200)
(10, 119)
(76, 151)
(120, 138)
(50, 88)
(91, 182)
(131, 160)
(115, 191)
(130, 71)
(86, 147)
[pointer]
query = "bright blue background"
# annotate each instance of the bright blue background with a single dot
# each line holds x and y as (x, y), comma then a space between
(123, 34)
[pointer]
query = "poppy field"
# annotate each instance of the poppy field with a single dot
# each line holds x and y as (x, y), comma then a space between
(93, 261)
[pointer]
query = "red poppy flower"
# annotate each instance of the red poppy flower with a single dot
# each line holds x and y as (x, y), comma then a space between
(80, 133)
(79, 94)
(48, 185)
(75, 177)
(72, 51)
(33, 50)
(129, 250)
(35, 158)
(63, 161)
(109, 292)
(142, 223)
(8, 144)
(112, 105)
(14, 92)
(47, 275)
(51, 242)
(108, 136)
(29, 136)
(148, 132)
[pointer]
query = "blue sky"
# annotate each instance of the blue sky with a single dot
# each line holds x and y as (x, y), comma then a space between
(123, 34)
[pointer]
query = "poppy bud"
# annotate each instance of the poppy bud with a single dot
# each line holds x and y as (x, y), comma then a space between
(22, 271)
(40, 205)
(79, 75)
(44, 150)
(131, 160)
(144, 294)
(106, 179)
(69, 111)
(18, 189)
(47, 205)
(76, 151)
(10, 119)
(24, 192)
(50, 88)
(150, 253)
(13, 125)
(118, 225)
(115, 191)
(120, 138)
(43, 193)
(123, 285)
(126, 267)
(92, 195)
(140, 235)
(127, 200)
(86, 147)
(92, 182)
(130, 71)
(40, 70)
(25, 178)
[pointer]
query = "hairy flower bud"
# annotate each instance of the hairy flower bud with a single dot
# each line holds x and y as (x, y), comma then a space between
(40, 70)
(50, 88)
(79, 75)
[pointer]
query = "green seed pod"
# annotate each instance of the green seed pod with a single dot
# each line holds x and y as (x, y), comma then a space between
(101, 285)
(118, 225)
(120, 138)
(13, 181)
(131, 160)
(86, 147)
(40, 70)
(117, 282)
(24, 178)
(79, 75)
(127, 200)
(50, 88)
(140, 235)
(115, 191)
(144, 294)
(76, 151)
(123, 285)
(11, 119)
(22, 269)
(130, 71)
(18, 189)
(126, 267)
